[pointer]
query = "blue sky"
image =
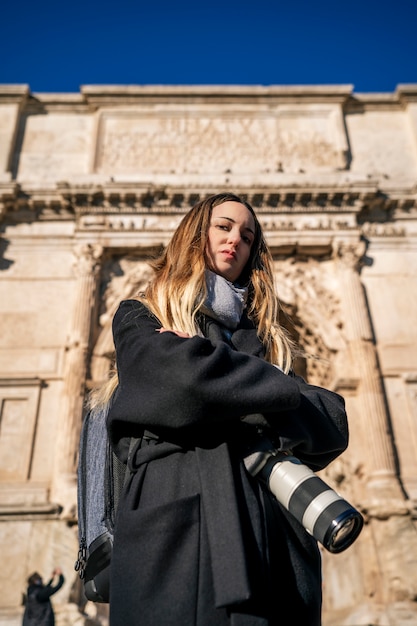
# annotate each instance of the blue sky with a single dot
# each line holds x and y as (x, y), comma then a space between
(58, 46)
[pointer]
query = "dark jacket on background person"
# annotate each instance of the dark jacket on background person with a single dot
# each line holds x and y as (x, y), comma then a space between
(194, 529)
(38, 607)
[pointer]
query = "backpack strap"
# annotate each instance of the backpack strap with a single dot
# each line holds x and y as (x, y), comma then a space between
(134, 444)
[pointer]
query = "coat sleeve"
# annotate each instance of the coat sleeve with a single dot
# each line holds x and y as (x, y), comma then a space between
(317, 430)
(169, 382)
(48, 590)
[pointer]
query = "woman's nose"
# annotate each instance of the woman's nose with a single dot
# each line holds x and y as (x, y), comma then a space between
(234, 237)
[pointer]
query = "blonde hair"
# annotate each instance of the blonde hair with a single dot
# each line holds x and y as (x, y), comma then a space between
(178, 290)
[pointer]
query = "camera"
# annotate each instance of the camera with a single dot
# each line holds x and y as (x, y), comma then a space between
(329, 518)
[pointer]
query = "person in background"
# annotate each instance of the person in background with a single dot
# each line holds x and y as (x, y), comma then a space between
(203, 369)
(38, 606)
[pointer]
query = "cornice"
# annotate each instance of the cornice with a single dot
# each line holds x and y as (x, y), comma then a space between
(397, 100)
(57, 102)
(110, 95)
(407, 92)
(93, 97)
(14, 94)
(65, 200)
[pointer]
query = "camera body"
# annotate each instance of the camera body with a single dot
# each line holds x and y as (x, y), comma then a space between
(328, 517)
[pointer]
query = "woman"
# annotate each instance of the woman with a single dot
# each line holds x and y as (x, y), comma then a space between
(204, 370)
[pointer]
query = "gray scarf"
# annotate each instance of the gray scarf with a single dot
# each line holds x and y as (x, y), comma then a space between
(225, 301)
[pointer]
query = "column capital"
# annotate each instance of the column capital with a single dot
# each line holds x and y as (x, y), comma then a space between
(350, 254)
(87, 259)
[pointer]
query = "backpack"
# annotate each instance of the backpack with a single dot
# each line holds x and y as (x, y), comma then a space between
(100, 479)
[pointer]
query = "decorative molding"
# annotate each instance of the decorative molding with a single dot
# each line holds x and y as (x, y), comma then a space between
(14, 94)
(64, 200)
(93, 97)
(21, 382)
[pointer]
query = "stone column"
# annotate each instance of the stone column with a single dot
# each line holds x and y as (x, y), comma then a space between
(379, 444)
(387, 547)
(87, 268)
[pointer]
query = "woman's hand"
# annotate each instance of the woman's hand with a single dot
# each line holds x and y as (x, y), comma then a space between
(176, 332)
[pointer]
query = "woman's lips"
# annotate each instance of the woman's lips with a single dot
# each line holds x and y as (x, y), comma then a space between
(229, 254)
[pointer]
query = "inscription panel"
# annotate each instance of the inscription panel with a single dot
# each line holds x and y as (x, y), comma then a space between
(309, 138)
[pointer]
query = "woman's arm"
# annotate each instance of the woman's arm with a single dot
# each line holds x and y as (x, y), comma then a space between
(167, 381)
(173, 382)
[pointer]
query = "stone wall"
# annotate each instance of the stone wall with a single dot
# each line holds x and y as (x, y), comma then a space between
(92, 184)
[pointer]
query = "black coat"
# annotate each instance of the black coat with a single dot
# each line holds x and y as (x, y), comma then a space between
(198, 541)
(38, 607)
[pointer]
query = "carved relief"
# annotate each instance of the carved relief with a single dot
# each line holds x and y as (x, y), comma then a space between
(308, 295)
(383, 230)
(141, 223)
(122, 278)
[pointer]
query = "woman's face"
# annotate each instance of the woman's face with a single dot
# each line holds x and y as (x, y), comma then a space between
(230, 238)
